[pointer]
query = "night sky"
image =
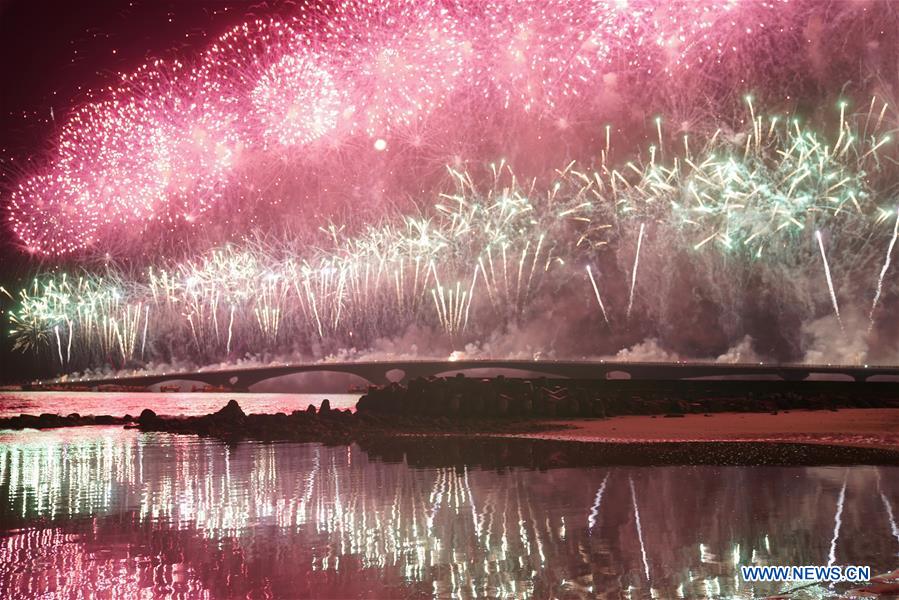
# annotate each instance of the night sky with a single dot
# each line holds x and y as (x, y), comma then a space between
(54, 54)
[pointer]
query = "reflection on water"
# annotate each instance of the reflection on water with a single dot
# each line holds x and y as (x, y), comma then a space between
(126, 514)
(12, 404)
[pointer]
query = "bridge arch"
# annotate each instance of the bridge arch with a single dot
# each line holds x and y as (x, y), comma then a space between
(248, 378)
(618, 374)
(377, 372)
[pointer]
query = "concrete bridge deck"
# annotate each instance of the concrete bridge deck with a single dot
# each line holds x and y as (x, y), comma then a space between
(378, 372)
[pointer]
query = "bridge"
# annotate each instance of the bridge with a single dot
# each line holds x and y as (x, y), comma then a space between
(383, 372)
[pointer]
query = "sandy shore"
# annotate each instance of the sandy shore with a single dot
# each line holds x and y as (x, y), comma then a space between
(855, 426)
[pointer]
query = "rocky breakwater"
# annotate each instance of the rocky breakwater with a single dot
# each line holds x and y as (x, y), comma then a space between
(53, 421)
(468, 398)
(465, 398)
(321, 425)
(231, 421)
(434, 405)
(464, 405)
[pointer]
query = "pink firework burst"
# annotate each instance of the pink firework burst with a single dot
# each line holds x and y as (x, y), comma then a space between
(198, 132)
(357, 93)
(532, 54)
(398, 59)
(114, 151)
(296, 101)
(53, 215)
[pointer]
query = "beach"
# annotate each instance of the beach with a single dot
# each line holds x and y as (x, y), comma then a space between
(850, 426)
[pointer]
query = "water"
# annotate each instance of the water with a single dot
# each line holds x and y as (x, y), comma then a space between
(169, 404)
(118, 513)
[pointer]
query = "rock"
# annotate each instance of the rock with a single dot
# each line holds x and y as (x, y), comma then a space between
(231, 411)
(147, 417)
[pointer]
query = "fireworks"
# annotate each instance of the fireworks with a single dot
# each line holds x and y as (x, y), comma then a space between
(173, 138)
(491, 256)
(398, 59)
(296, 101)
(345, 108)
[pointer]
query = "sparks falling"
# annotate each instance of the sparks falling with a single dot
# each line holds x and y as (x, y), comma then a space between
(883, 272)
(630, 300)
(833, 294)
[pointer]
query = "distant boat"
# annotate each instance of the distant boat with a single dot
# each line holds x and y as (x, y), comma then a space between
(210, 388)
(357, 388)
(115, 387)
(64, 388)
(169, 388)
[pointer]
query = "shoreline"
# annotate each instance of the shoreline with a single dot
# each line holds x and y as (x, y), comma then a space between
(855, 427)
(803, 437)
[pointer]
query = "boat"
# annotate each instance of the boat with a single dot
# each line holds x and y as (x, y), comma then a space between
(210, 388)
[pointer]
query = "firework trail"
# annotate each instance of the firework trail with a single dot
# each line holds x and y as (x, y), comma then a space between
(833, 295)
(598, 298)
(883, 272)
(630, 301)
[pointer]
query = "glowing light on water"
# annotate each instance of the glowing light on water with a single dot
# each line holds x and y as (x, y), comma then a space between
(639, 528)
(837, 523)
(594, 510)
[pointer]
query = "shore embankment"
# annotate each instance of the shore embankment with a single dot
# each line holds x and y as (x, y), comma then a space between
(497, 443)
(624, 416)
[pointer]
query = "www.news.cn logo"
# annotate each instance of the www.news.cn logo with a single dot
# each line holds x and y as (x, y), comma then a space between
(806, 573)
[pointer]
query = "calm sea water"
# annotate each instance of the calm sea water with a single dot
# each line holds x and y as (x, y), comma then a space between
(108, 512)
(172, 404)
